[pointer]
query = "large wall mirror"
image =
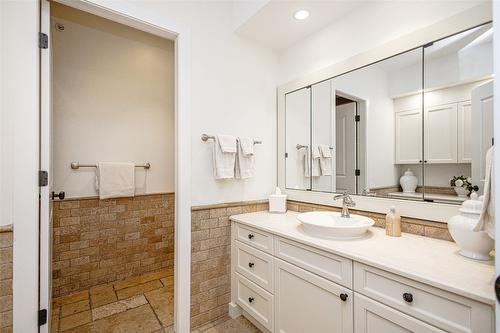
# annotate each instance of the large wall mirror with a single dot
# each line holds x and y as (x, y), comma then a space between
(413, 126)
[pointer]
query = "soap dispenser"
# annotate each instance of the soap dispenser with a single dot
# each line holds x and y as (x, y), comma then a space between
(277, 202)
(393, 223)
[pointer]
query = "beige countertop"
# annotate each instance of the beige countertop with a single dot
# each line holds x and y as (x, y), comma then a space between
(427, 260)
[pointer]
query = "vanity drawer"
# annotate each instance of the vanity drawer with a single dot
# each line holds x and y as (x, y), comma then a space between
(437, 307)
(259, 239)
(255, 300)
(330, 266)
(255, 265)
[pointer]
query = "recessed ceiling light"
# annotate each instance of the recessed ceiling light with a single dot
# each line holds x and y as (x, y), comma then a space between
(301, 15)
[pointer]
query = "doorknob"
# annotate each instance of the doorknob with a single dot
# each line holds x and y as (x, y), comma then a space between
(59, 195)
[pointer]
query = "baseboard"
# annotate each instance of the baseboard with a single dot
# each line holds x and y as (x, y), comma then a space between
(234, 310)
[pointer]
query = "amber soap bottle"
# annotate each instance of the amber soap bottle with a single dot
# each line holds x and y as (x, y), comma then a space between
(393, 223)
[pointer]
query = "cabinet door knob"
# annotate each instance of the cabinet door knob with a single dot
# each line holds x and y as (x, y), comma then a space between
(250, 236)
(408, 297)
(250, 299)
(343, 297)
(251, 264)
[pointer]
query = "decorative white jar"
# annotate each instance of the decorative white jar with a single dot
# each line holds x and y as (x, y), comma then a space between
(408, 182)
(460, 191)
(474, 244)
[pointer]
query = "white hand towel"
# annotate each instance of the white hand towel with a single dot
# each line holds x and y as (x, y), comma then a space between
(224, 153)
(315, 155)
(487, 217)
(115, 180)
(325, 160)
(245, 160)
(303, 160)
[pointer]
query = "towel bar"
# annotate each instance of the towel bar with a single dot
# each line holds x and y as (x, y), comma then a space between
(205, 137)
(299, 146)
(77, 165)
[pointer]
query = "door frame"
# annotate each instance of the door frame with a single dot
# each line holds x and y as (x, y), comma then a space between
(182, 256)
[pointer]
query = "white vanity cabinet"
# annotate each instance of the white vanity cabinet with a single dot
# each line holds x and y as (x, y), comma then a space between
(285, 286)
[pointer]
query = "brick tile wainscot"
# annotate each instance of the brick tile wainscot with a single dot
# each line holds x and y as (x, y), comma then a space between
(101, 241)
(6, 237)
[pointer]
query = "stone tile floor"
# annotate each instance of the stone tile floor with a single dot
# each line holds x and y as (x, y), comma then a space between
(140, 304)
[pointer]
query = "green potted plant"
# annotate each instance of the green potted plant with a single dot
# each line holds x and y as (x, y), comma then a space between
(463, 185)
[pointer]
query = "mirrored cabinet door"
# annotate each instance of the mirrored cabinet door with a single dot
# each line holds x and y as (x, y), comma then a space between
(458, 119)
(323, 138)
(297, 139)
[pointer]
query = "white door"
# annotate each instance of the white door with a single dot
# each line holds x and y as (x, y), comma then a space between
(440, 134)
(464, 132)
(297, 137)
(323, 129)
(408, 143)
(305, 302)
(373, 317)
(345, 147)
(482, 123)
(45, 164)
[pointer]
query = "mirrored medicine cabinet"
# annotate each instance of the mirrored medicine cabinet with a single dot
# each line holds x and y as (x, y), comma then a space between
(414, 126)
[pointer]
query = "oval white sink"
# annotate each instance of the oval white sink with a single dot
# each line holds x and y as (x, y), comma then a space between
(332, 225)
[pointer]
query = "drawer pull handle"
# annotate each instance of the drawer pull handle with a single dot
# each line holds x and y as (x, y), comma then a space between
(343, 297)
(251, 264)
(250, 299)
(408, 297)
(250, 236)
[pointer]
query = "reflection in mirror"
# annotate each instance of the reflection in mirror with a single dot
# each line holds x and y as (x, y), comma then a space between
(458, 113)
(377, 138)
(297, 138)
(414, 126)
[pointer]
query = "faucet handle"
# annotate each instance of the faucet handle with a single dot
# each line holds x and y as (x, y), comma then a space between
(341, 196)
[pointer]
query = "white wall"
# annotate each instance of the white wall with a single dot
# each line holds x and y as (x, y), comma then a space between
(471, 64)
(371, 85)
(367, 27)
(113, 100)
(233, 86)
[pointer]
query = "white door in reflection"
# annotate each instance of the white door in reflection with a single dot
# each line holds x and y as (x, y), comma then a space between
(346, 147)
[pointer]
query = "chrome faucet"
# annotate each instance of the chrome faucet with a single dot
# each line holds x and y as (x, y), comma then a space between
(346, 203)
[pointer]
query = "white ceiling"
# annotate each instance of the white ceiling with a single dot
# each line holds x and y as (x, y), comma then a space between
(275, 27)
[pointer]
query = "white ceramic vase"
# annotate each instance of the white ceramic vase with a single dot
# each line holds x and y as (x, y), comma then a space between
(460, 191)
(474, 244)
(408, 182)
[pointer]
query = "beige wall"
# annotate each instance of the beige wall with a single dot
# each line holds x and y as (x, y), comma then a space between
(113, 100)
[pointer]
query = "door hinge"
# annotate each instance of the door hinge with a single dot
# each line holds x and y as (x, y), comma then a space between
(429, 44)
(357, 118)
(42, 317)
(286, 155)
(43, 40)
(43, 178)
(357, 172)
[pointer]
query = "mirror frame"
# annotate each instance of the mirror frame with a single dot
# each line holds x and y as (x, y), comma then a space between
(439, 212)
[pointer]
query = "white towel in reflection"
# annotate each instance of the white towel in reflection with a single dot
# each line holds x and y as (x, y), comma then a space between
(224, 153)
(245, 160)
(303, 160)
(487, 217)
(115, 180)
(315, 163)
(325, 160)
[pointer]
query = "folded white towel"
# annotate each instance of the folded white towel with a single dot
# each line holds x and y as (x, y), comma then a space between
(315, 163)
(114, 180)
(303, 159)
(325, 160)
(325, 150)
(487, 217)
(227, 143)
(224, 153)
(245, 160)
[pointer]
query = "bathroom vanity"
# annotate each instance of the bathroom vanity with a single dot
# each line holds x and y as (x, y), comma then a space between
(285, 280)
